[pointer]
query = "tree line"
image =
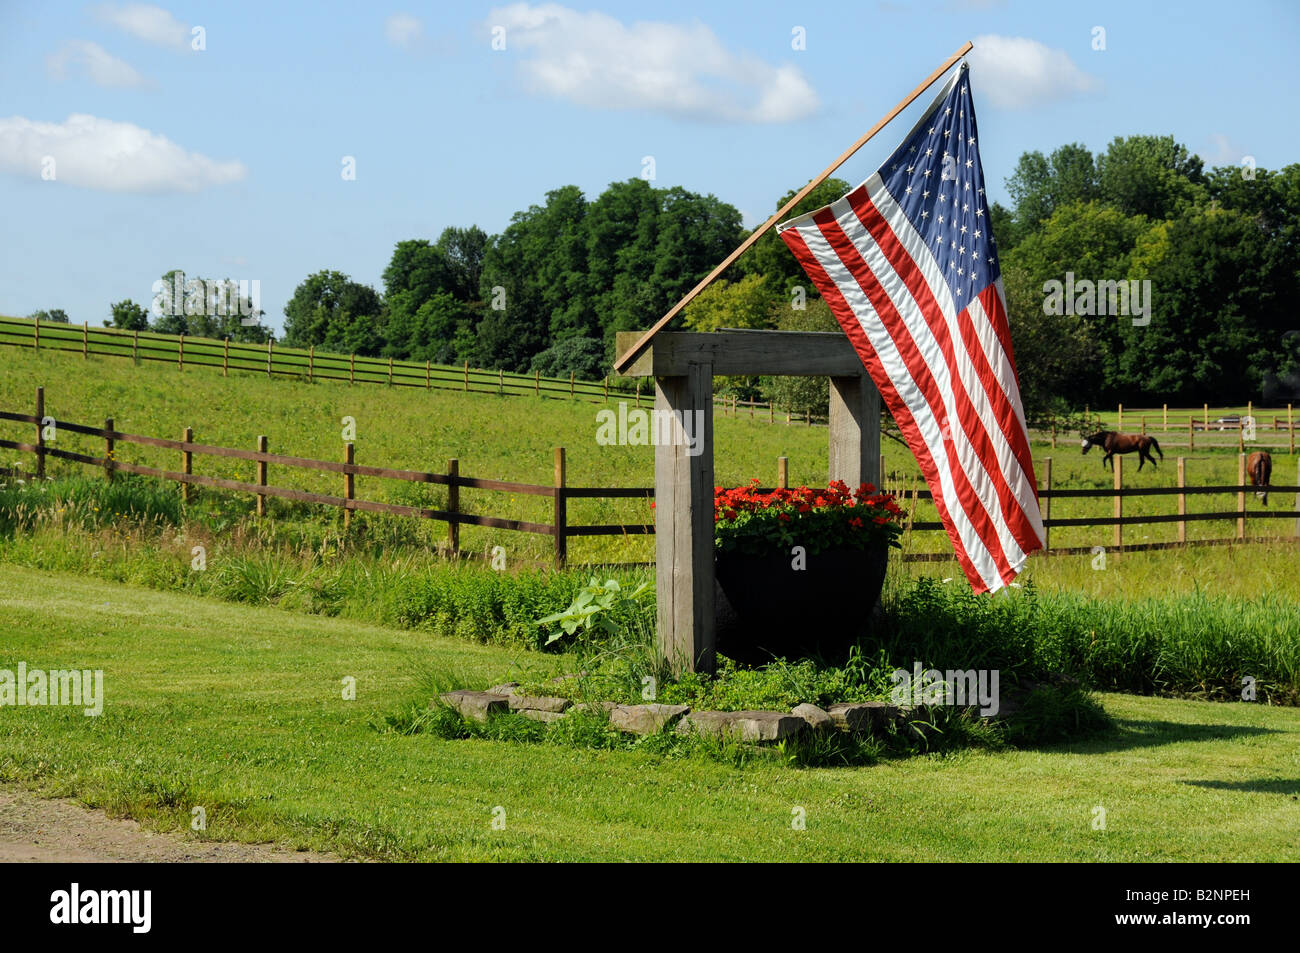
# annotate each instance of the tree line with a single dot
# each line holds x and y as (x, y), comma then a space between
(1219, 249)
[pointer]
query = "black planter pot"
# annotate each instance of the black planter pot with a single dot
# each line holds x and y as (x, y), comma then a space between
(768, 608)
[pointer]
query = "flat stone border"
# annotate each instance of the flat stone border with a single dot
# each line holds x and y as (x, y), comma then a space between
(757, 727)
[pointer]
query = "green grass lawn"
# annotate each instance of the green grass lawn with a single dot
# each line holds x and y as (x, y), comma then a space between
(240, 711)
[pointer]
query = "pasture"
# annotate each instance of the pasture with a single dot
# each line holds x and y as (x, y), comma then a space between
(512, 439)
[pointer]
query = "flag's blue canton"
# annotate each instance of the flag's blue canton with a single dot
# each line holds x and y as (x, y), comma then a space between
(936, 178)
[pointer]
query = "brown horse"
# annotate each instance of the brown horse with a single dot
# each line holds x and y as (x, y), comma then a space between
(1113, 443)
(1259, 466)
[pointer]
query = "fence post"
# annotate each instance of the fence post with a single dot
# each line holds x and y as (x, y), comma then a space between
(225, 360)
(607, 388)
(453, 507)
(1290, 428)
(1241, 436)
(428, 375)
(561, 512)
(537, 383)
(570, 383)
(36, 340)
(390, 370)
(1164, 410)
(1205, 411)
(352, 369)
(261, 476)
(1182, 499)
(770, 418)
(783, 473)
(501, 380)
(269, 343)
(180, 353)
(1241, 496)
(135, 346)
(1118, 464)
(349, 485)
(1297, 499)
(85, 340)
(187, 465)
(1119, 419)
(40, 433)
(467, 376)
(1047, 505)
(311, 362)
(108, 450)
(1053, 433)
(1191, 434)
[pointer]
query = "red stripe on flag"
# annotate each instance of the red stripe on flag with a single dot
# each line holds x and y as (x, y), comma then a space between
(897, 407)
(923, 380)
(976, 432)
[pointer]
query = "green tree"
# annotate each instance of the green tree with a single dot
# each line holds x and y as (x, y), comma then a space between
(584, 357)
(52, 316)
(128, 316)
(324, 309)
(1150, 175)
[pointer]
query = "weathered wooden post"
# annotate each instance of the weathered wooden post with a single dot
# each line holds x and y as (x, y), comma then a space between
(1241, 496)
(187, 464)
(1047, 504)
(349, 484)
(783, 473)
(261, 476)
(453, 507)
(1182, 499)
(561, 510)
(40, 433)
(1118, 463)
(108, 449)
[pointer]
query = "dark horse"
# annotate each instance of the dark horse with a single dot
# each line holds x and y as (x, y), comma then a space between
(1259, 466)
(1113, 443)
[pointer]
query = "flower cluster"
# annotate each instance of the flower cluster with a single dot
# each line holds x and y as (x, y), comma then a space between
(750, 521)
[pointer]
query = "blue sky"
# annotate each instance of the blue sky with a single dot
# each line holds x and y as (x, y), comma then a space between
(226, 161)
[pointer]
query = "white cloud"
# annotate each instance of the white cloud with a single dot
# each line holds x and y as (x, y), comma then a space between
(1225, 151)
(1016, 72)
(149, 23)
(403, 30)
(595, 60)
(109, 156)
(101, 66)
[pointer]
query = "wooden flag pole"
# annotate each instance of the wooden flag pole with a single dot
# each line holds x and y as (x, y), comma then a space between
(625, 361)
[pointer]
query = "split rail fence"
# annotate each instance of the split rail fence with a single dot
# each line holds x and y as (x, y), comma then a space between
(560, 529)
(307, 364)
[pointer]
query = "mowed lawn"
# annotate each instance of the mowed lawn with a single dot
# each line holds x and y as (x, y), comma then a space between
(240, 711)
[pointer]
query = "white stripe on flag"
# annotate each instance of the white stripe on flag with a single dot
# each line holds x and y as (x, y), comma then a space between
(892, 361)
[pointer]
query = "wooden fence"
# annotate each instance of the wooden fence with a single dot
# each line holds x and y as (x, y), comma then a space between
(560, 529)
(1119, 493)
(327, 366)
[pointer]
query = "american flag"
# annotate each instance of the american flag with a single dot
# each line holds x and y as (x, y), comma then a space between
(909, 267)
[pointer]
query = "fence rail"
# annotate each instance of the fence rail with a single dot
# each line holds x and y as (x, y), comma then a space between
(186, 351)
(560, 529)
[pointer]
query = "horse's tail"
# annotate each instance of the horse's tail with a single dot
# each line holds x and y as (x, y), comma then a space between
(1155, 443)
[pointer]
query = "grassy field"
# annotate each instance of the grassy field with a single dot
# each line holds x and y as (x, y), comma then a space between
(239, 710)
(512, 438)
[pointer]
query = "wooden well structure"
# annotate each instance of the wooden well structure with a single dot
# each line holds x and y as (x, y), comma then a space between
(682, 365)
